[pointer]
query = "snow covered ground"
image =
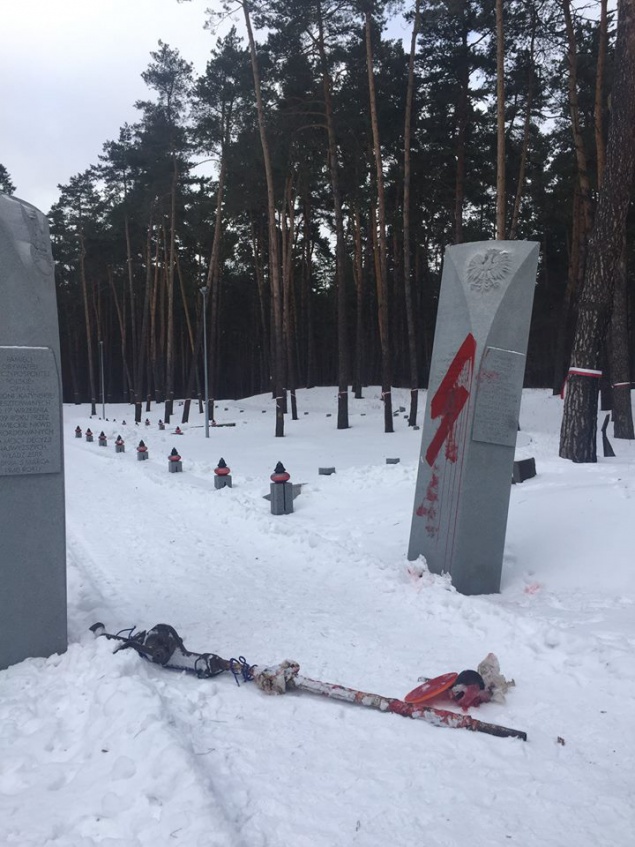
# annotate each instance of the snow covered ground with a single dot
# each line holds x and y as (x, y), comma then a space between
(105, 749)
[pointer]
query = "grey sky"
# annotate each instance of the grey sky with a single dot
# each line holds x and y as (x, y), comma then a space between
(70, 74)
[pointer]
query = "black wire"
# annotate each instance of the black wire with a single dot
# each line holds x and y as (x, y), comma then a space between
(241, 667)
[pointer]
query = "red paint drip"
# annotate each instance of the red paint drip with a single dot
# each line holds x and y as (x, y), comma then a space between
(428, 509)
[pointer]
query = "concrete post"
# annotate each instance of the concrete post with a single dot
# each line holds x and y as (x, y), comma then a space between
(174, 462)
(222, 476)
(281, 491)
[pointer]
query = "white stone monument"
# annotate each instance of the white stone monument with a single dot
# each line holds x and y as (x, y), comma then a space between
(471, 418)
(32, 530)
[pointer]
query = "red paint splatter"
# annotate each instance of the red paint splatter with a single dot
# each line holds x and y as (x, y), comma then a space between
(489, 377)
(448, 403)
(429, 507)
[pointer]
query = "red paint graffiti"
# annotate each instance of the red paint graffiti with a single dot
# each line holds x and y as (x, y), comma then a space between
(448, 402)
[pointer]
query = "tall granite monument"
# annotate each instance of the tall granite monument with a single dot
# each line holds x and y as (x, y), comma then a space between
(471, 418)
(32, 530)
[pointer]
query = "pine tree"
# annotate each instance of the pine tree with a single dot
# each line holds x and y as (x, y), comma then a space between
(76, 220)
(170, 77)
(579, 421)
(6, 183)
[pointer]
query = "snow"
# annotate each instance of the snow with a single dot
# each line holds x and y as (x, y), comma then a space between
(106, 749)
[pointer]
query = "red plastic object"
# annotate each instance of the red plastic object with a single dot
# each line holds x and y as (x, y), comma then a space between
(431, 688)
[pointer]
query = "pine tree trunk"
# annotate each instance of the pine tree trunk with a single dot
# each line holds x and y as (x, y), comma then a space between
(306, 297)
(122, 325)
(381, 267)
(287, 241)
(133, 308)
(358, 273)
(500, 123)
(155, 341)
(598, 108)
(263, 299)
(169, 279)
(274, 263)
(574, 109)
(566, 327)
(619, 355)
(186, 310)
(343, 362)
(461, 121)
(520, 185)
(88, 325)
(145, 319)
(410, 319)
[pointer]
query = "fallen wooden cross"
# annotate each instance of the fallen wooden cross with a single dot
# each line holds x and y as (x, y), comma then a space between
(164, 646)
(286, 676)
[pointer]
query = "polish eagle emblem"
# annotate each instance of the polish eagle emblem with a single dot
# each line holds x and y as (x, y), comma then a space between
(487, 270)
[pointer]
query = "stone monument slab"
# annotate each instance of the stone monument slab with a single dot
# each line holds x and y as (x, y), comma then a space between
(471, 417)
(32, 515)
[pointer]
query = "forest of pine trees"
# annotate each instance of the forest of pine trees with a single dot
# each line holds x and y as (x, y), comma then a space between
(345, 160)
